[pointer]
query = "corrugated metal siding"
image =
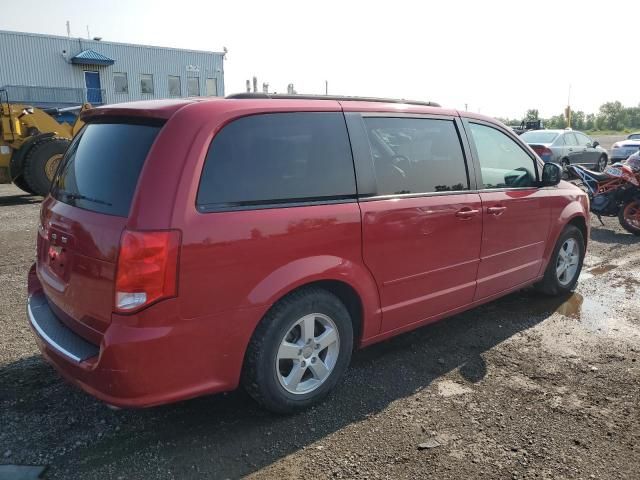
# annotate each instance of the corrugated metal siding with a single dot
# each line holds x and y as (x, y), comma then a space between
(32, 59)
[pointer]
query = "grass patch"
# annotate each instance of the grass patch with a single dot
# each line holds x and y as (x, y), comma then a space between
(626, 131)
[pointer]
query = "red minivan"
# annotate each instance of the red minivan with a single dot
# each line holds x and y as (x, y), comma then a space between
(190, 246)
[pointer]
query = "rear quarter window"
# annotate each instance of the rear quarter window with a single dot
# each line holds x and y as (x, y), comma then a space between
(101, 167)
(277, 159)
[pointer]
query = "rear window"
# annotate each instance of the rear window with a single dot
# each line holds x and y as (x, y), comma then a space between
(101, 168)
(275, 159)
(538, 137)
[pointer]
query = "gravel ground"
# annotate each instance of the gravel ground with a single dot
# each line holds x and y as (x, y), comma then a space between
(607, 141)
(524, 387)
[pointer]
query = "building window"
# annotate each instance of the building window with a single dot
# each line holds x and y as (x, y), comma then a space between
(120, 83)
(212, 87)
(193, 87)
(174, 86)
(146, 83)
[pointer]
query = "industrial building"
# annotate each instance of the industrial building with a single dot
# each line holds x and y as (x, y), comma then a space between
(57, 71)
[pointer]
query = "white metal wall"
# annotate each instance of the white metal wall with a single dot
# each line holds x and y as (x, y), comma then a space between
(34, 59)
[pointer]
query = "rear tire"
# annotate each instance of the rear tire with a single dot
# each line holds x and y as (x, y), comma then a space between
(565, 264)
(41, 163)
(629, 217)
(287, 366)
(602, 163)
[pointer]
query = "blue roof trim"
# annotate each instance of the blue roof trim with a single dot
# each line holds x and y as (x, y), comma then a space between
(89, 57)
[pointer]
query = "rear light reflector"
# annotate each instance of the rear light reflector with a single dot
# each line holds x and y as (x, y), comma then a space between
(147, 268)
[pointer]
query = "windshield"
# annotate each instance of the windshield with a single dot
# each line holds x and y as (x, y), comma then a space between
(101, 167)
(538, 137)
(634, 136)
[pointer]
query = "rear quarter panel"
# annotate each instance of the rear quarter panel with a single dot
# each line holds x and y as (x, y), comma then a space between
(249, 259)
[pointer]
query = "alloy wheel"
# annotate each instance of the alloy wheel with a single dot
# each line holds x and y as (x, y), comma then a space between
(602, 164)
(307, 354)
(567, 262)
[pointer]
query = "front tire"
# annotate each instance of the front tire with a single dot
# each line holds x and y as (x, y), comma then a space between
(629, 217)
(565, 264)
(299, 351)
(41, 163)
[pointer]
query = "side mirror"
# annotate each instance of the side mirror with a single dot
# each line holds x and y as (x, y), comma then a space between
(551, 175)
(595, 143)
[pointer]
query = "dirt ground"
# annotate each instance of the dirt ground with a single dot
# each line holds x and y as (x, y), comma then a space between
(525, 387)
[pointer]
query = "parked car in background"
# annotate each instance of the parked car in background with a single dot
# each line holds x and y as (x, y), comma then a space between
(567, 147)
(624, 149)
(191, 246)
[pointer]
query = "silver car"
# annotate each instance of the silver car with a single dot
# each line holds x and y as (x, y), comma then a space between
(567, 147)
(624, 149)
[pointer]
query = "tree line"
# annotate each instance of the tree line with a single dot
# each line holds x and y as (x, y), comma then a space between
(610, 116)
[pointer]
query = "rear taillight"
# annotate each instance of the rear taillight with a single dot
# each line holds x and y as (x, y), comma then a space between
(543, 152)
(147, 268)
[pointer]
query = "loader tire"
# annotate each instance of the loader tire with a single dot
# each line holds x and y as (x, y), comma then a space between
(22, 185)
(41, 163)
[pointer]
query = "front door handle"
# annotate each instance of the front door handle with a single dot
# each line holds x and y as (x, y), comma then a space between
(496, 210)
(466, 213)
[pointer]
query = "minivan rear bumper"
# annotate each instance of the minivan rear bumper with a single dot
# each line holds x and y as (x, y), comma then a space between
(142, 366)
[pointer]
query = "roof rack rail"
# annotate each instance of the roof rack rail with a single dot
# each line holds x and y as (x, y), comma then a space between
(251, 95)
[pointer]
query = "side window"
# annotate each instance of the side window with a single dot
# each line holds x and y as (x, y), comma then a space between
(583, 140)
(174, 86)
(570, 140)
(146, 83)
(278, 158)
(120, 84)
(503, 163)
(416, 155)
(193, 87)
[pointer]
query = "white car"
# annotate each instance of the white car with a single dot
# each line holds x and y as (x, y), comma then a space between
(622, 150)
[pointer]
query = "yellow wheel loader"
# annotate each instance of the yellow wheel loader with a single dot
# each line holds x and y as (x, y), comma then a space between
(32, 144)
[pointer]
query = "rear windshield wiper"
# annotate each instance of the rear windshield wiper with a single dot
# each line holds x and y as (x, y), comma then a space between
(79, 196)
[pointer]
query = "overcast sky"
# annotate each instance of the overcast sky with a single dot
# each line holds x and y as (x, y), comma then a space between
(499, 57)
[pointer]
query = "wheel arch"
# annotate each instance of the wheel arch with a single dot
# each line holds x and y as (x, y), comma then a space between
(349, 281)
(573, 214)
(580, 222)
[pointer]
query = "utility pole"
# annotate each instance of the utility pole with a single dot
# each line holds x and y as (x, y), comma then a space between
(326, 87)
(568, 109)
(465, 108)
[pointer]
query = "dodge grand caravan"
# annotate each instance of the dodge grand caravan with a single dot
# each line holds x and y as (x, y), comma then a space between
(191, 246)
